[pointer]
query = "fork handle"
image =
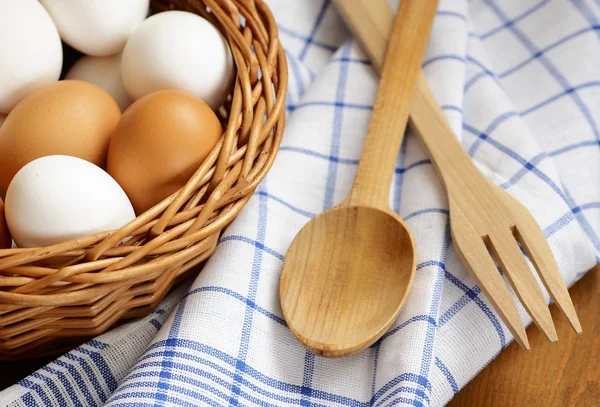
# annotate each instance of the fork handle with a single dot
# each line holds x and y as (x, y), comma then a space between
(405, 53)
(448, 156)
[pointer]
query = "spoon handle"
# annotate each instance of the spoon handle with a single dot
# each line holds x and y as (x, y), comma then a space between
(406, 49)
(371, 22)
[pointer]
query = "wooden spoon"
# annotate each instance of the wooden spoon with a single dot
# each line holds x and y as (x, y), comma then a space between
(347, 273)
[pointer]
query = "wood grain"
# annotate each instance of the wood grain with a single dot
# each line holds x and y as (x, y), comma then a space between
(562, 374)
(347, 273)
(485, 220)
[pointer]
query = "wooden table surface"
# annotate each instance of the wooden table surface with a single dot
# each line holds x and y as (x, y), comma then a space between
(563, 374)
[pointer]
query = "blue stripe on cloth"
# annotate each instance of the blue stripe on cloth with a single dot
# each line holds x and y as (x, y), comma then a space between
(171, 400)
(38, 390)
(451, 381)
(561, 94)
(470, 294)
(94, 343)
(417, 394)
(572, 147)
(252, 293)
(402, 170)
(524, 170)
(28, 400)
(87, 368)
(536, 160)
(66, 384)
(307, 377)
(287, 204)
(452, 107)
(351, 60)
(295, 68)
(399, 400)
(416, 318)
(424, 211)
(430, 263)
(422, 381)
(486, 310)
(541, 175)
(329, 104)
(156, 324)
(490, 129)
(399, 177)
(337, 131)
(515, 20)
(559, 224)
(189, 345)
(375, 364)
(537, 54)
(435, 303)
(444, 13)
(164, 384)
(527, 111)
(311, 38)
(475, 78)
(191, 375)
(75, 374)
(445, 57)
(257, 244)
(239, 297)
(101, 364)
(481, 66)
(195, 361)
(587, 13)
(51, 388)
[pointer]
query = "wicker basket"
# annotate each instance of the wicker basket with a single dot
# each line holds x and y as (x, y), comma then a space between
(54, 298)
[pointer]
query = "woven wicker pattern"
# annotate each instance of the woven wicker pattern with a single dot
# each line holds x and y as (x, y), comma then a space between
(54, 297)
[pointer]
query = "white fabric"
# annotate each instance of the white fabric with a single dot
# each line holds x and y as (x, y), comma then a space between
(520, 84)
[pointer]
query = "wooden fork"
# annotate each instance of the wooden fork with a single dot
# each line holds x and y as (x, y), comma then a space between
(484, 218)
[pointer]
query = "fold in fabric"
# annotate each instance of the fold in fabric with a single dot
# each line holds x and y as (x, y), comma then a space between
(519, 82)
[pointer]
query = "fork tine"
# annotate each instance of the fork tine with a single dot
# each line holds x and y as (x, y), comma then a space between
(507, 252)
(475, 256)
(536, 246)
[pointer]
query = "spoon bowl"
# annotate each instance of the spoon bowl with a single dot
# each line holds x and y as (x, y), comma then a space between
(345, 278)
(347, 273)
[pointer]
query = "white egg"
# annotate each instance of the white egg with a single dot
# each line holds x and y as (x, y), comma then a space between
(178, 50)
(30, 50)
(58, 198)
(96, 27)
(104, 72)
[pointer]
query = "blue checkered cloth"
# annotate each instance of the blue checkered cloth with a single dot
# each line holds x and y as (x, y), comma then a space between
(519, 81)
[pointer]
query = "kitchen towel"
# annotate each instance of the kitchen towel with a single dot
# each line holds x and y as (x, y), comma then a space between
(519, 81)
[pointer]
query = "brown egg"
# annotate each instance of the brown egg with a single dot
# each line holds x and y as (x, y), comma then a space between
(5, 240)
(68, 117)
(160, 141)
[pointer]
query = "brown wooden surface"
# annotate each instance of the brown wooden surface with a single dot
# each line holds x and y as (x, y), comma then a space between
(559, 374)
